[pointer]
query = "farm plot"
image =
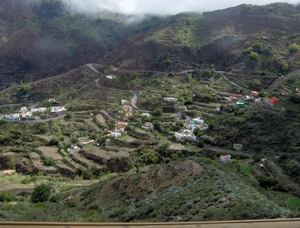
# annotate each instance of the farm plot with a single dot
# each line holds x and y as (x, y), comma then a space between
(48, 151)
(84, 161)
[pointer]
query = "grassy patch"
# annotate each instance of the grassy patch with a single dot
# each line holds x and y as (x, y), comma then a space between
(67, 187)
(246, 170)
(294, 203)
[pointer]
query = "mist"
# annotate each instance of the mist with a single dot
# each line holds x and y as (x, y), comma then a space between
(158, 7)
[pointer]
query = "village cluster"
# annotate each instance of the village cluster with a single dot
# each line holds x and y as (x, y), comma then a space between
(241, 101)
(32, 113)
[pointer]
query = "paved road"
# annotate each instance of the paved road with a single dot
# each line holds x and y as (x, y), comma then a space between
(90, 65)
(135, 93)
(263, 223)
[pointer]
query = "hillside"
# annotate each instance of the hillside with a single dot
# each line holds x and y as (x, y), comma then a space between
(225, 38)
(42, 38)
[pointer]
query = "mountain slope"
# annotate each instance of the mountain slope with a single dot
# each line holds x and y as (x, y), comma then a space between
(42, 38)
(225, 38)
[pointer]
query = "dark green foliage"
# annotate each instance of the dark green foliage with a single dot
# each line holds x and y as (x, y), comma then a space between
(71, 203)
(49, 161)
(157, 112)
(241, 211)
(198, 132)
(53, 141)
(25, 88)
(41, 193)
(6, 196)
(295, 98)
(180, 123)
(80, 171)
(69, 115)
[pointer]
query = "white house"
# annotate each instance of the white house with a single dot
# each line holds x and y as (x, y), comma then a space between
(147, 126)
(225, 158)
(12, 117)
(124, 102)
(120, 126)
(145, 115)
(199, 120)
(110, 76)
(23, 110)
(58, 110)
(88, 142)
(127, 110)
(197, 123)
(115, 135)
(170, 99)
(185, 135)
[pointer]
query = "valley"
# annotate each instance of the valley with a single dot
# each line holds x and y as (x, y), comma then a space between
(187, 117)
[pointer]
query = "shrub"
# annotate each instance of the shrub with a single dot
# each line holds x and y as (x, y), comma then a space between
(41, 193)
(54, 141)
(71, 203)
(254, 55)
(6, 197)
(294, 47)
(49, 161)
(172, 74)
(248, 50)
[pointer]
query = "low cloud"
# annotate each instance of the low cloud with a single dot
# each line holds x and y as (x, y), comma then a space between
(159, 7)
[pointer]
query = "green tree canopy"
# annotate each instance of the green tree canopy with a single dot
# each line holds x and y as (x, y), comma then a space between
(41, 193)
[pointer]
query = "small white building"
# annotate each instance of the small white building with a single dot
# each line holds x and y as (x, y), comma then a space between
(58, 110)
(127, 110)
(120, 126)
(88, 142)
(199, 120)
(42, 109)
(115, 135)
(147, 126)
(145, 115)
(170, 99)
(124, 102)
(73, 149)
(225, 158)
(185, 135)
(23, 110)
(110, 76)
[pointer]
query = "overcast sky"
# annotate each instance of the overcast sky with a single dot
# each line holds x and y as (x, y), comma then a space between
(161, 7)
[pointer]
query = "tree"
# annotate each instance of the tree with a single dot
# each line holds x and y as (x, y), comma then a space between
(183, 115)
(180, 123)
(80, 171)
(25, 88)
(198, 132)
(54, 141)
(11, 164)
(41, 193)
(6, 196)
(157, 112)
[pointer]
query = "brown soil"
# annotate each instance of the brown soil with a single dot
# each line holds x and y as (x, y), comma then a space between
(50, 152)
(152, 182)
